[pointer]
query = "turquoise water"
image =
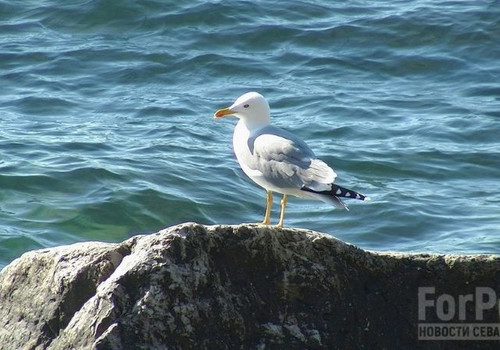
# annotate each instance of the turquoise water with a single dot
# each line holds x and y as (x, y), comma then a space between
(106, 125)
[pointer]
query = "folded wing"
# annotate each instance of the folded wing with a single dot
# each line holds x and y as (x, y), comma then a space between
(287, 161)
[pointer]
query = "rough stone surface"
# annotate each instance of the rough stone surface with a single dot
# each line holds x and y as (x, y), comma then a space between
(231, 287)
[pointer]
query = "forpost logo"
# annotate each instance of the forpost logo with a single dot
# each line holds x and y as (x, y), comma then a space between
(453, 320)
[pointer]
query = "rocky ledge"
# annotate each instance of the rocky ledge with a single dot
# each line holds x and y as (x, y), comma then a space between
(237, 287)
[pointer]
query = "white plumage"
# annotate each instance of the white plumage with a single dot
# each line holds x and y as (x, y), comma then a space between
(277, 160)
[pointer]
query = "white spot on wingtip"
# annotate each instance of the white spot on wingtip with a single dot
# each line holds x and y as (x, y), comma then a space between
(367, 199)
(339, 192)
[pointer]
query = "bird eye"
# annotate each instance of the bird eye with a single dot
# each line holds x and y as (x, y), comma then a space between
(246, 106)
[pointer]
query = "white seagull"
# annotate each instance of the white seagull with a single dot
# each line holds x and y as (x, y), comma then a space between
(279, 161)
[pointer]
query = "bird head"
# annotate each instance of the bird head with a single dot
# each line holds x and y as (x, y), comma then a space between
(251, 107)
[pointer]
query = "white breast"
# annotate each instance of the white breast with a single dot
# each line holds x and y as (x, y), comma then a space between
(243, 154)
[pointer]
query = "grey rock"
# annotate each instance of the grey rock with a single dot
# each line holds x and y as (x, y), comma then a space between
(230, 287)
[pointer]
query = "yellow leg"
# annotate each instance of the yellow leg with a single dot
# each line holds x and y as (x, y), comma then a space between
(269, 205)
(284, 200)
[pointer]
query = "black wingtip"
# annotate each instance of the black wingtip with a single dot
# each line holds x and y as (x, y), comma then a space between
(339, 191)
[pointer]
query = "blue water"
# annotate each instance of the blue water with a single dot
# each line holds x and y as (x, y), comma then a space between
(106, 125)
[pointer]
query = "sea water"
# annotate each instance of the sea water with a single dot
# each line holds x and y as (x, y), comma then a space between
(106, 127)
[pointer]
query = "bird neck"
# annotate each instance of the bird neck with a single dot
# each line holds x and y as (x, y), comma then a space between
(255, 124)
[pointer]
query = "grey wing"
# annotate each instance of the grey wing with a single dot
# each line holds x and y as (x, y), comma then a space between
(287, 161)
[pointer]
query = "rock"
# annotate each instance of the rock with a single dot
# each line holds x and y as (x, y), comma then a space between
(232, 287)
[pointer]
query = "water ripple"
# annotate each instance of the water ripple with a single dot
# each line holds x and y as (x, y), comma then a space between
(107, 128)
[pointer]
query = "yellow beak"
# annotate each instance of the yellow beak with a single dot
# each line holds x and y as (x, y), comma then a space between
(223, 112)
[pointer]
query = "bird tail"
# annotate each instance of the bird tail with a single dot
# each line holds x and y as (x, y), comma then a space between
(335, 193)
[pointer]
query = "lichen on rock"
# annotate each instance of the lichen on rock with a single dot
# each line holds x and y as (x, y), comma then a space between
(225, 287)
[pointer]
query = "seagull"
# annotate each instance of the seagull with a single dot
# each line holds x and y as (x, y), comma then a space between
(279, 161)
